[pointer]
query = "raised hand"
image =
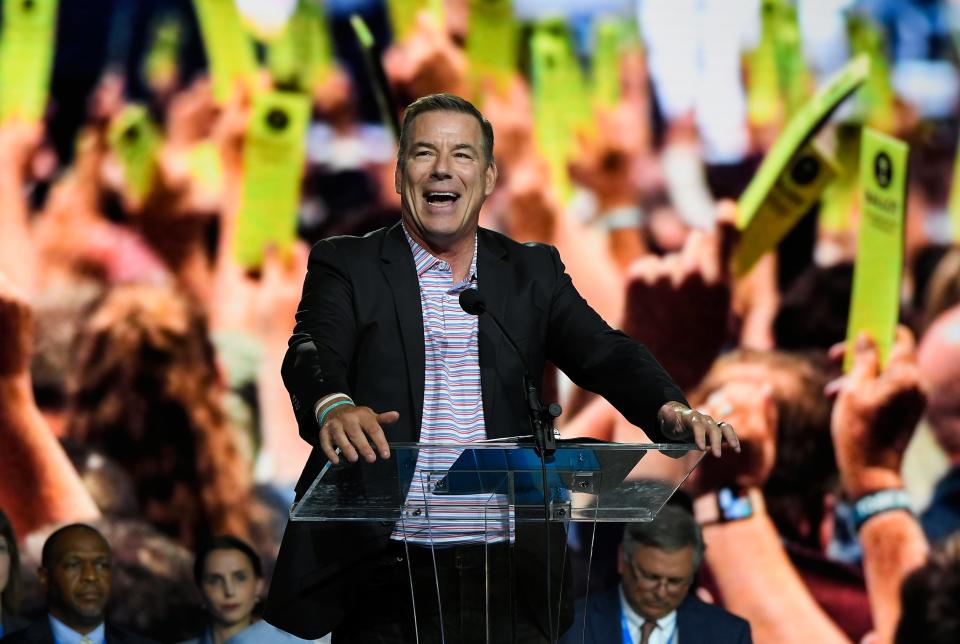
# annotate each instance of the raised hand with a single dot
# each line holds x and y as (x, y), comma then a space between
(679, 305)
(753, 412)
(426, 62)
(875, 414)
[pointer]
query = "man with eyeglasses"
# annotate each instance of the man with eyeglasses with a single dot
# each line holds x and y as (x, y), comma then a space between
(653, 604)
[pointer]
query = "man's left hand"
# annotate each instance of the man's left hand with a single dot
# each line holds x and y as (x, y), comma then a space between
(679, 422)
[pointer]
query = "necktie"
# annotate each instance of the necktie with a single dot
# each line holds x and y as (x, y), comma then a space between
(87, 640)
(645, 631)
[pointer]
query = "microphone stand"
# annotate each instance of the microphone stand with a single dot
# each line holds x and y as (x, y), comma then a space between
(545, 442)
(541, 418)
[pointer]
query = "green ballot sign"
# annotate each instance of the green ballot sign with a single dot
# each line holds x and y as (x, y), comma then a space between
(560, 104)
(763, 91)
(26, 57)
(953, 206)
(874, 306)
(230, 55)
(607, 49)
(492, 40)
(160, 67)
(876, 99)
(273, 158)
(302, 55)
(794, 81)
(840, 197)
(205, 167)
(134, 139)
(403, 15)
(800, 128)
(794, 192)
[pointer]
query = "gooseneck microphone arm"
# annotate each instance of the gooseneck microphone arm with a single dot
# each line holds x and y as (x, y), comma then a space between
(541, 421)
(541, 418)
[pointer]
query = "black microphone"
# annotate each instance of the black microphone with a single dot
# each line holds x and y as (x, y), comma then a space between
(541, 420)
(472, 302)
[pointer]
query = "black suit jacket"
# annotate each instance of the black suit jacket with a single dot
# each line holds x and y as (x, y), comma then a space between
(39, 632)
(697, 623)
(359, 331)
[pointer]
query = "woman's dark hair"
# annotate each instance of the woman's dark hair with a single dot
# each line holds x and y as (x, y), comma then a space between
(10, 594)
(145, 392)
(224, 542)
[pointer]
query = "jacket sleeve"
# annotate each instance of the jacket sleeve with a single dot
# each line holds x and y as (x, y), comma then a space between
(604, 360)
(317, 361)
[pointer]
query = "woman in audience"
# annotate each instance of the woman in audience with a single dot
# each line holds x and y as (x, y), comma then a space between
(230, 577)
(9, 579)
(146, 392)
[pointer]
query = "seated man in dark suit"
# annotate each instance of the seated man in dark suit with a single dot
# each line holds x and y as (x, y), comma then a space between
(75, 572)
(653, 605)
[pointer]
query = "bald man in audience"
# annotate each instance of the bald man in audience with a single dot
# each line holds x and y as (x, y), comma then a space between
(939, 362)
(76, 575)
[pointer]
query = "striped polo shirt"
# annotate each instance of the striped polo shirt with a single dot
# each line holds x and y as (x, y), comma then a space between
(452, 410)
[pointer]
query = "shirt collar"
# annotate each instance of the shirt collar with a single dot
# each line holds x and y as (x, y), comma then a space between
(634, 620)
(63, 634)
(424, 260)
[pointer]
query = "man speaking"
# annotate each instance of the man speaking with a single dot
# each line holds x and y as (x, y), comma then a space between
(382, 350)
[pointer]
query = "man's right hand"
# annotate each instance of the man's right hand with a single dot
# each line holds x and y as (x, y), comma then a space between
(352, 429)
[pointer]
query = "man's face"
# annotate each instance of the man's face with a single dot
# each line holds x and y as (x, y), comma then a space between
(655, 581)
(443, 178)
(78, 581)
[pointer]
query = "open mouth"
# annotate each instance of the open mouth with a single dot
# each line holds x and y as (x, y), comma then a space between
(440, 198)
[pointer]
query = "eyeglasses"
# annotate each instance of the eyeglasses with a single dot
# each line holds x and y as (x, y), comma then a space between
(648, 580)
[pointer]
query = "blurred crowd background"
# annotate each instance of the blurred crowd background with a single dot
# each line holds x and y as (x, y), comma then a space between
(149, 271)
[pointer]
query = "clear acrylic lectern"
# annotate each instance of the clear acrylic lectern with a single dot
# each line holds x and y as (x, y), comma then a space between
(499, 485)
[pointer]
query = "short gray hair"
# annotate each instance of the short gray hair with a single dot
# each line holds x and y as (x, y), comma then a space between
(673, 528)
(445, 103)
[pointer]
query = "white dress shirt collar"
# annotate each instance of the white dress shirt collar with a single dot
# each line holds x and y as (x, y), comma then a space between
(63, 634)
(665, 633)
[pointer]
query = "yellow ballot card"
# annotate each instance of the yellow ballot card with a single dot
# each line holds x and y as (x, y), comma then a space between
(763, 89)
(840, 197)
(492, 40)
(27, 42)
(953, 206)
(607, 49)
(302, 55)
(160, 67)
(403, 15)
(273, 158)
(230, 54)
(875, 303)
(793, 194)
(792, 75)
(876, 99)
(135, 139)
(799, 129)
(555, 98)
(205, 167)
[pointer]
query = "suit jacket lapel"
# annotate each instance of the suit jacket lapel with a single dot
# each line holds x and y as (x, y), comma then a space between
(492, 276)
(401, 273)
